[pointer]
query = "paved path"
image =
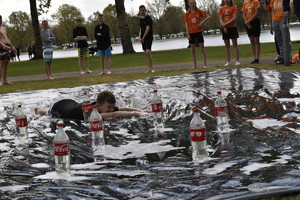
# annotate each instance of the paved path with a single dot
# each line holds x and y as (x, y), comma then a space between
(142, 69)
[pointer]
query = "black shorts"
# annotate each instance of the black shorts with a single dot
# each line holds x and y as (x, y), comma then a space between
(147, 44)
(232, 33)
(196, 38)
(255, 31)
(4, 55)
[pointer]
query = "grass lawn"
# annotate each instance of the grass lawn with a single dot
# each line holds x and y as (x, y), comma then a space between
(34, 67)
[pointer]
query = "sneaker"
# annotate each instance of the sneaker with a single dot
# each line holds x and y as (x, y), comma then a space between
(227, 64)
(237, 63)
(280, 61)
(108, 72)
(255, 61)
(277, 58)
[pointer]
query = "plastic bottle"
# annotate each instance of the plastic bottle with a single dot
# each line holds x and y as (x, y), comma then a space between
(96, 129)
(198, 137)
(21, 125)
(221, 112)
(87, 108)
(157, 108)
(61, 147)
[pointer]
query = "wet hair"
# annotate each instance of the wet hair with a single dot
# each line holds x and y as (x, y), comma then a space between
(142, 6)
(106, 96)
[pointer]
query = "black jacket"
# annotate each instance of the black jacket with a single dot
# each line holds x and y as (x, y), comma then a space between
(103, 41)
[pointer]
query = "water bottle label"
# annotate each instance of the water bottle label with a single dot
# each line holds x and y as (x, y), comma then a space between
(21, 122)
(61, 149)
(156, 107)
(197, 135)
(220, 111)
(96, 125)
(87, 108)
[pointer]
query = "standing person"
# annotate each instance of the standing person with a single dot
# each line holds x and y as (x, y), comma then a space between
(80, 35)
(194, 30)
(269, 11)
(252, 22)
(228, 15)
(146, 35)
(18, 53)
(5, 48)
(277, 22)
(102, 36)
(47, 37)
(286, 10)
(29, 49)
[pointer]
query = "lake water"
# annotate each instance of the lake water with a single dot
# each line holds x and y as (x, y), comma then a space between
(179, 43)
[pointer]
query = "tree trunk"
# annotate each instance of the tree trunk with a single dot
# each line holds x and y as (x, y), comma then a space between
(124, 28)
(36, 30)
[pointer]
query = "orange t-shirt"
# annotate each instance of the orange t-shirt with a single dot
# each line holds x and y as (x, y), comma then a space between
(268, 8)
(193, 19)
(276, 5)
(227, 14)
(249, 8)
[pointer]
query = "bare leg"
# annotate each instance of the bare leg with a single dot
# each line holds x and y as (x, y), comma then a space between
(193, 51)
(149, 60)
(1, 64)
(4, 73)
(227, 49)
(203, 53)
(80, 66)
(236, 49)
(87, 65)
(108, 64)
(252, 45)
(257, 47)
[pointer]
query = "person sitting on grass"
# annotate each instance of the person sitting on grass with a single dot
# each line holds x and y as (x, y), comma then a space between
(105, 104)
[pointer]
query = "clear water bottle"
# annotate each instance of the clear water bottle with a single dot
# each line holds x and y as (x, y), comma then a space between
(87, 108)
(21, 125)
(157, 108)
(61, 147)
(221, 111)
(96, 129)
(198, 137)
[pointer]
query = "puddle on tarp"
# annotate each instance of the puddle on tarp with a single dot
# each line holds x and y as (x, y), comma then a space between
(140, 163)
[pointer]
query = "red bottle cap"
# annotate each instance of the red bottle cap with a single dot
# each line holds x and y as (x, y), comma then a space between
(196, 110)
(85, 93)
(219, 92)
(94, 106)
(60, 124)
(19, 106)
(154, 90)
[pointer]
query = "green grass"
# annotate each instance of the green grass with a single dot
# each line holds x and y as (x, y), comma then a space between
(34, 67)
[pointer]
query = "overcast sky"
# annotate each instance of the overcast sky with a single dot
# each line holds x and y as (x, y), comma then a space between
(87, 7)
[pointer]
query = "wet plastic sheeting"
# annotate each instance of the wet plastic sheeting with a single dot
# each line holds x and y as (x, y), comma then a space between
(141, 163)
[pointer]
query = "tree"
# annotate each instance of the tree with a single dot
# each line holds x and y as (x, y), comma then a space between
(110, 17)
(20, 29)
(157, 8)
(65, 16)
(124, 28)
(174, 18)
(92, 21)
(36, 30)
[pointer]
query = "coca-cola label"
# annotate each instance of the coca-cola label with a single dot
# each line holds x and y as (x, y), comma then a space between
(156, 107)
(87, 108)
(197, 135)
(21, 122)
(61, 149)
(220, 111)
(96, 125)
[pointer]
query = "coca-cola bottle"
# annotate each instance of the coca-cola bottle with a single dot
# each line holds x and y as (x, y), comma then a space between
(157, 109)
(198, 137)
(21, 125)
(221, 113)
(87, 108)
(61, 147)
(96, 129)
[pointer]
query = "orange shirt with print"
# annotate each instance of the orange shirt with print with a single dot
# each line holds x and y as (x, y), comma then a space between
(227, 13)
(249, 8)
(277, 8)
(193, 19)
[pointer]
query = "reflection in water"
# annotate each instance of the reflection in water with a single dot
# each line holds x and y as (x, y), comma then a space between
(141, 162)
